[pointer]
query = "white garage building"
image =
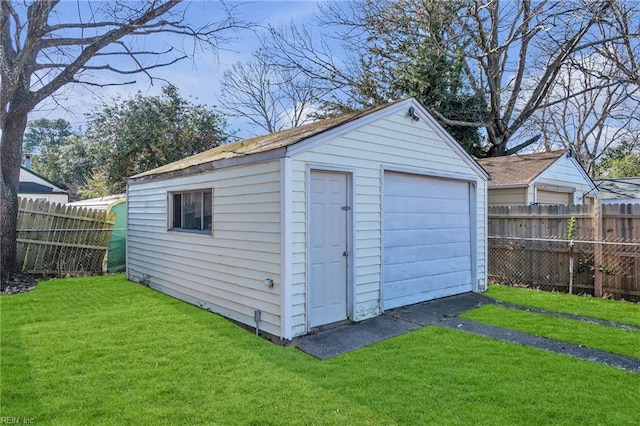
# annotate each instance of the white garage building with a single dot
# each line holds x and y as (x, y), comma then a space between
(338, 220)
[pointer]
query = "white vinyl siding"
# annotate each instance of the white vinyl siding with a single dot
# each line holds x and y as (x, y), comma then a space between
(394, 142)
(223, 272)
(563, 173)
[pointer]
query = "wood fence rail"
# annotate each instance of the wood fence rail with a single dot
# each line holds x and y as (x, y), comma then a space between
(595, 222)
(606, 260)
(62, 240)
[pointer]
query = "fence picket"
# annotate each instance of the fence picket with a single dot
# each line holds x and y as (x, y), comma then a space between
(606, 256)
(62, 240)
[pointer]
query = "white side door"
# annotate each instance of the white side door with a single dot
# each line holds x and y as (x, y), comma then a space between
(328, 214)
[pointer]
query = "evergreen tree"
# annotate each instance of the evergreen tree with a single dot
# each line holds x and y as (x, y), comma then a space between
(144, 132)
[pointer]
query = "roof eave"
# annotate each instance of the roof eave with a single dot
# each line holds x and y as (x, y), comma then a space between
(577, 165)
(307, 142)
(509, 185)
(54, 185)
(257, 157)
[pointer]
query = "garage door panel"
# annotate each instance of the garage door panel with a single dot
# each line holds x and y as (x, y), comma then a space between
(395, 221)
(427, 284)
(425, 205)
(426, 237)
(412, 254)
(435, 293)
(554, 198)
(410, 183)
(401, 272)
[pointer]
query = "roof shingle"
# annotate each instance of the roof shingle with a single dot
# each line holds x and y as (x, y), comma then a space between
(618, 188)
(518, 169)
(259, 144)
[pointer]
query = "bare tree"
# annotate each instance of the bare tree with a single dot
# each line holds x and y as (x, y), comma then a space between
(353, 60)
(512, 52)
(40, 54)
(269, 96)
(588, 115)
(622, 52)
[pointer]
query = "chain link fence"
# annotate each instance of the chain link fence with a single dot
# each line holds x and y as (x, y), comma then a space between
(567, 265)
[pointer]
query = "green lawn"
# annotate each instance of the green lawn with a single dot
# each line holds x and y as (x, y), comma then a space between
(107, 351)
(616, 340)
(610, 310)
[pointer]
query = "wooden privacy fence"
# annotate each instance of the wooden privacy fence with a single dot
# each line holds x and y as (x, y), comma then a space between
(536, 246)
(61, 240)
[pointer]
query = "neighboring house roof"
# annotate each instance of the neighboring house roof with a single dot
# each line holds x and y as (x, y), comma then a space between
(518, 169)
(33, 188)
(44, 186)
(618, 188)
(278, 142)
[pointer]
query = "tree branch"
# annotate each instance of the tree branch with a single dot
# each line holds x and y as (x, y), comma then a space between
(128, 52)
(458, 123)
(19, 26)
(548, 78)
(88, 52)
(522, 145)
(92, 83)
(141, 68)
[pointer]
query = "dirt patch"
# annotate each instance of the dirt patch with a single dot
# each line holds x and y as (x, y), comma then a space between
(17, 282)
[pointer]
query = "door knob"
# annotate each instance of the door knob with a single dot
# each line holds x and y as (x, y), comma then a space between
(345, 253)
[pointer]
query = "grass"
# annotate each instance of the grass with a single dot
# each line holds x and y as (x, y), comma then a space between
(107, 351)
(615, 340)
(610, 310)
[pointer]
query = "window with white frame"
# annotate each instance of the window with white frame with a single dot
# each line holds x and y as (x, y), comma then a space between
(191, 211)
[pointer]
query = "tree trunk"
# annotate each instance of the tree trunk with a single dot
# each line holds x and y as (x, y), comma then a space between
(10, 160)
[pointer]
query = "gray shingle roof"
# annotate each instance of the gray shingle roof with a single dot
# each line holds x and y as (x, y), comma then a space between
(618, 188)
(33, 188)
(518, 169)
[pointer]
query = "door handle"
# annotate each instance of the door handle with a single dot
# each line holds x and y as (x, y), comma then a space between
(345, 253)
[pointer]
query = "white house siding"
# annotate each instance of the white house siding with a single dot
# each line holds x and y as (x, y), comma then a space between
(563, 173)
(57, 196)
(223, 272)
(395, 142)
(50, 197)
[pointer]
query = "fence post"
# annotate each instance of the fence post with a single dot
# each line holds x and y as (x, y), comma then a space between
(598, 258)
(571, 267)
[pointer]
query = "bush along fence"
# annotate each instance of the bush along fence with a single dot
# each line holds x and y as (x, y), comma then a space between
(593, 249)
(60, 240)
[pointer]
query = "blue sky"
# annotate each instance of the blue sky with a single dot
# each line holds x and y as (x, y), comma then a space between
(197, 78)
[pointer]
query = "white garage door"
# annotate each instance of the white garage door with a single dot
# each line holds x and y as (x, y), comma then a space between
(427, 238)
(553, 197)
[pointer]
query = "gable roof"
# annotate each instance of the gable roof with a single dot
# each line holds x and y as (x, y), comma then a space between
(259, 144)
(518, 169)
(33, 188)
(39, 180)
(618, 188)
(277, 145)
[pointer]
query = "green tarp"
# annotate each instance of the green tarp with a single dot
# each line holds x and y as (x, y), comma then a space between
(116, 257)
